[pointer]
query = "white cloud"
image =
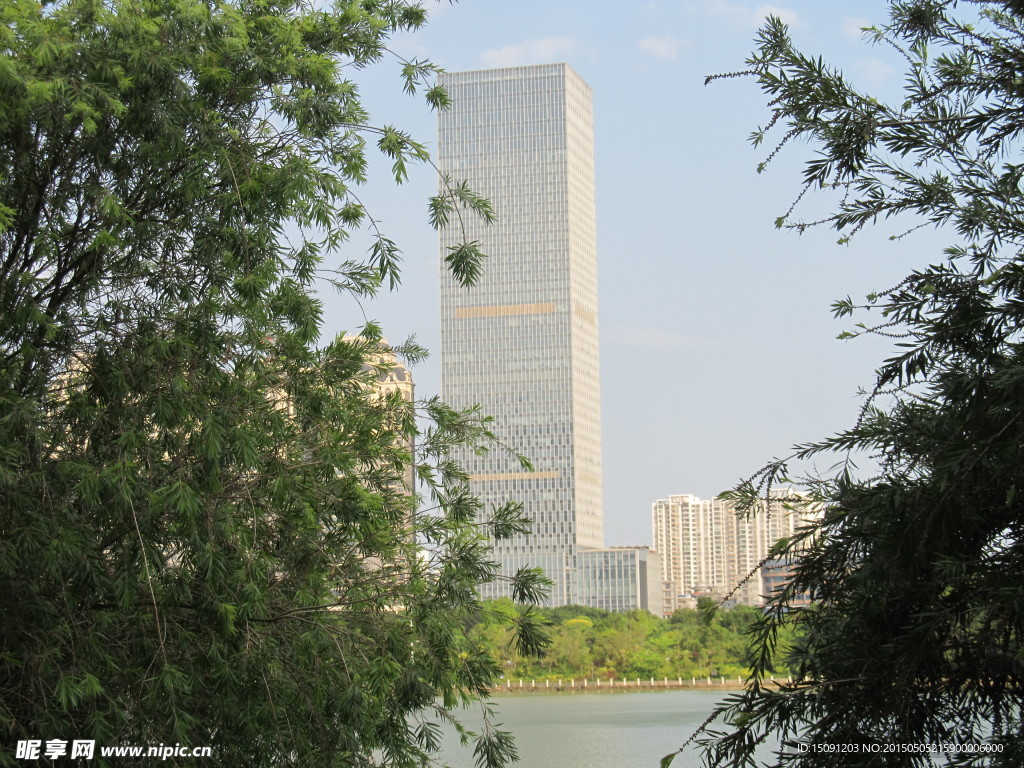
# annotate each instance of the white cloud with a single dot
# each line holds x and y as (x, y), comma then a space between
(635, 337)
(788, 16)
(745, 15)
(536, 51)
(438, 7)
(662, 47)
(408, 46)
(873, 73)
(852, 27)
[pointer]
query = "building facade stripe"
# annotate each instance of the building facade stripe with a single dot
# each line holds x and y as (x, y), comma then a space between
(513, 476)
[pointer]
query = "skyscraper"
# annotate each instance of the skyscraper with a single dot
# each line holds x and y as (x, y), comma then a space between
(523, 342)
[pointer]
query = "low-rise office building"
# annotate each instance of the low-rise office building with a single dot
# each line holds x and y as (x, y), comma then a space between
(619, 579)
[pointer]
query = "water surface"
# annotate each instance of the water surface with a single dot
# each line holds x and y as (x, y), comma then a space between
(617, 730)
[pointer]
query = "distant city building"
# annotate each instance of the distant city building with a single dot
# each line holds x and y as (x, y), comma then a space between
(775, 575)
(522, 343)
(389, 377)
(619, 579)
(697, 553)
(708, 550)
(393, 377)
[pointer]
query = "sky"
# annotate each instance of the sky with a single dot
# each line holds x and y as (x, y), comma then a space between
(718, 345)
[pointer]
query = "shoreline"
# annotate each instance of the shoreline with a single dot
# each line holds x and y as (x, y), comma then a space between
(525, 686)
(607, 690)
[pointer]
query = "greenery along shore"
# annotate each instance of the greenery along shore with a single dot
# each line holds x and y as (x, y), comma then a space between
(592, 642)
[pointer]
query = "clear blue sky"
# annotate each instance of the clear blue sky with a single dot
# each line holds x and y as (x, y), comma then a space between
(718, 348)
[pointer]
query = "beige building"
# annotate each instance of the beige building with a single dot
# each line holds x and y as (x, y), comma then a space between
(391, 378)
(707, 549)
(522, 343)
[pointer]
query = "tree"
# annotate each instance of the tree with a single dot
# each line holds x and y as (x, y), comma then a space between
(917, 573)
(204, 538)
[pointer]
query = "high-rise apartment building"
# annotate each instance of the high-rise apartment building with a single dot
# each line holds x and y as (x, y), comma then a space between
(697, 543)
(523, 342)
(707, 549)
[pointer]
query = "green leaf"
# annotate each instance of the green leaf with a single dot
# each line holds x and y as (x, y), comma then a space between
(465, 262)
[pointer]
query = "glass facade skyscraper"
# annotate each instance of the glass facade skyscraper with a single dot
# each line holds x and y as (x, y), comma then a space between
(523, 342)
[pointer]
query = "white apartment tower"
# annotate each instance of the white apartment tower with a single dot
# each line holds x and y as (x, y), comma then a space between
(523, 342)
(707, 549)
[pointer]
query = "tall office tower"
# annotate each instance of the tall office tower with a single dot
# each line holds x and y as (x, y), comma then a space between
(523, 343)
(706, 549)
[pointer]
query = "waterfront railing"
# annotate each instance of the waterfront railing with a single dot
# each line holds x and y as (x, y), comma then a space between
(635, 683)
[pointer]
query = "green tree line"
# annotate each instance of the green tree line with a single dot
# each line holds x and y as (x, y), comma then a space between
(205, 537)
(916, 567)
(590, 642)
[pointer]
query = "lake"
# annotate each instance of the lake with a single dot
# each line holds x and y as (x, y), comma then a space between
(624, 730)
